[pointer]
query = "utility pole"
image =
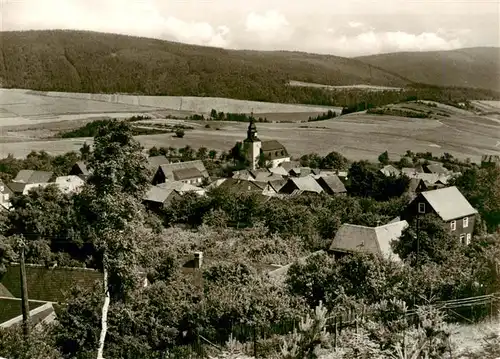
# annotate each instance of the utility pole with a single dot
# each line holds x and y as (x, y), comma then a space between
(24, 290)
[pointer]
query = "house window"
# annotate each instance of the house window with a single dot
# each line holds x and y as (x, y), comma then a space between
(462, 239)
(249, 188)
(421, 207)
(453, 225)
(467, 242)
(466, 222)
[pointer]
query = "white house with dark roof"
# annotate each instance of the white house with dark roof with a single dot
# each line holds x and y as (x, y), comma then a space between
(450, 205)
(273, 152)
(375, 240)
(190, 172)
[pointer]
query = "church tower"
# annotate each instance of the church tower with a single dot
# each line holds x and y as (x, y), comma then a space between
(252, 144)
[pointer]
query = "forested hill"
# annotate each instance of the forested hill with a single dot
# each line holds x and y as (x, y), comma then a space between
(81, 61)
(472, 67)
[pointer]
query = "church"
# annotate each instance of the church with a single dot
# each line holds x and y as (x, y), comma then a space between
(272, 152)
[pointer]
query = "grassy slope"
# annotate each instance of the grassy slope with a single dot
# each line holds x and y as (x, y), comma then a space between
(95, 62)
(472, 67)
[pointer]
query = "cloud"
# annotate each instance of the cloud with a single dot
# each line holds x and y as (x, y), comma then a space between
(201, 33)
(370, 42)
(347, 29)
(140, 18)
(355, 24)
(270, 21)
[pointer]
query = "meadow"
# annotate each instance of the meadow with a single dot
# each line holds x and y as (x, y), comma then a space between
(358, 136)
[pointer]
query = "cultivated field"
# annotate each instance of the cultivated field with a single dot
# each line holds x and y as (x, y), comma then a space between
(357, 136)
(359, 87)
(186, 103)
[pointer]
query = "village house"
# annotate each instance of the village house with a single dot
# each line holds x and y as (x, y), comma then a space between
(390, 170)
(299, 185)
(190, 172)
(272, 152)
(332, 185)
(374, 240)
(450, 205)
(161, 195)
(154, 162)
(27, 179)
(156, 198)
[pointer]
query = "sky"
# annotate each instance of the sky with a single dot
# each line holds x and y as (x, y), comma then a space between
(343, 28)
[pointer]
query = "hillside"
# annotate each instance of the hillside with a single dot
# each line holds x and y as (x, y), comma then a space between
(91, 62)
(81, 61)
(473, 67)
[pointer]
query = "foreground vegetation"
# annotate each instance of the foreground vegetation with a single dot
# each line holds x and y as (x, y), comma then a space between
(230, 301)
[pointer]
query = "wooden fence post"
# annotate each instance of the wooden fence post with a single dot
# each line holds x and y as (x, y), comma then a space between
(336, 333)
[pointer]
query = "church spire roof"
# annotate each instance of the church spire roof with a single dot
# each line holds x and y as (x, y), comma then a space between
(252, 130)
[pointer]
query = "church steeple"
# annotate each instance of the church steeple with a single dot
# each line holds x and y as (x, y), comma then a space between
(252, 130)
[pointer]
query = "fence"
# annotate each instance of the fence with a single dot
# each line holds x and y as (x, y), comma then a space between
(254, 338)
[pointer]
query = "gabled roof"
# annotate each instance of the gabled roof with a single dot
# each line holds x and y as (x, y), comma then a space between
(331, 184)
(449, 203)
(186, 173)
(437, 168)
(281, 171)
(374, 240)
(430, 178)
(272, 145)
(266, 177)
(157, 195)
(242, 174)
(16, 187)
(156, 161)
(180, 187)
(31, 176)
(306, 184)
(242, 185)
(277, 184)
(273, 150)
(300, 171)
(81, 167)
(4, 189)
(414, 183)
(45, 284)
(409, 171)
(390, 170)
(168, 170)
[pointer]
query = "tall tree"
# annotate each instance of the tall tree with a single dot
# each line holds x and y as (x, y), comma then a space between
(111, 210)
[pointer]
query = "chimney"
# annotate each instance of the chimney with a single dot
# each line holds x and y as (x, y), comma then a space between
(198, 259)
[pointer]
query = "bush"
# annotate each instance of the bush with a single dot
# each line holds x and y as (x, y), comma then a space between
(179, 133)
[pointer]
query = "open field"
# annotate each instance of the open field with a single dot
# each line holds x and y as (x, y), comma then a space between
(187, 103)
(359, 87)
(357, 136)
